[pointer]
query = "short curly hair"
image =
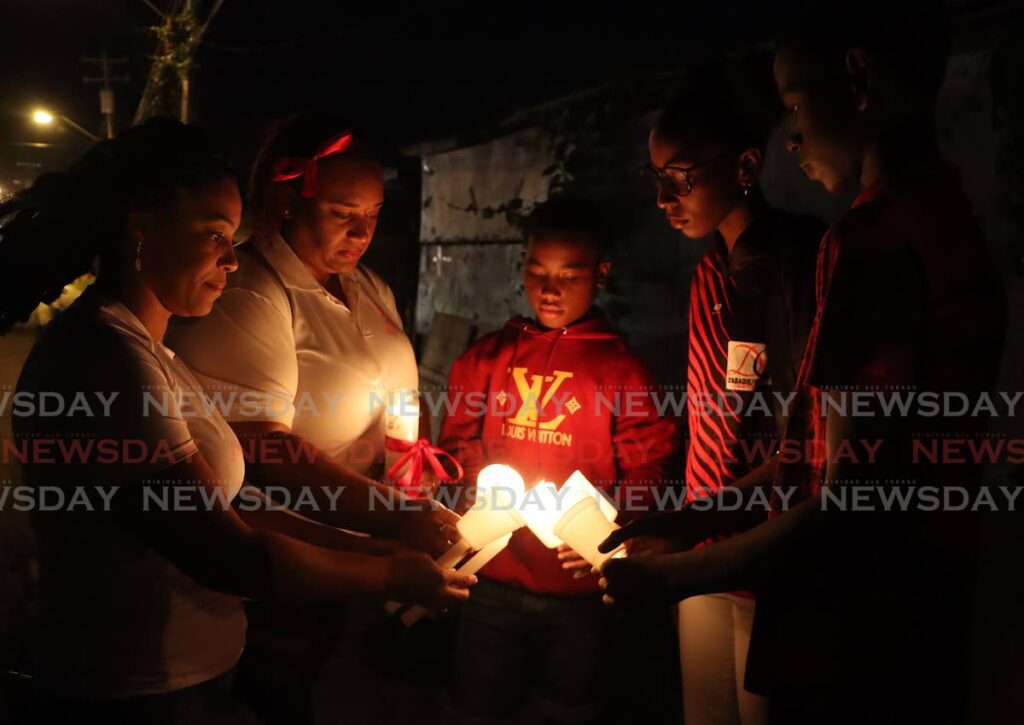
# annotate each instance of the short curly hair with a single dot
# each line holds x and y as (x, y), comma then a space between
(572, 218)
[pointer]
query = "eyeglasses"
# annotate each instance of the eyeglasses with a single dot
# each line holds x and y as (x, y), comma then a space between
(677, 178)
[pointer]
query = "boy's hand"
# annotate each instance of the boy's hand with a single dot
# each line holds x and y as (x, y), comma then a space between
(571, 561)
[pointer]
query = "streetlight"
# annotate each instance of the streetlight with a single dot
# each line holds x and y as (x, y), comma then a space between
(45, 118)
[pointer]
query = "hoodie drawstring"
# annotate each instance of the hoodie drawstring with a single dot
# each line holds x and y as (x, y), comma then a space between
(523, 329)
(547, 367)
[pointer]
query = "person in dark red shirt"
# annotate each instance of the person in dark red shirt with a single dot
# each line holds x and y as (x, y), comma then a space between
(864, 615)
(563, 392)
(751, 306)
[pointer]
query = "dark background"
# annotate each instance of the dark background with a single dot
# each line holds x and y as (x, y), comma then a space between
(407, 71)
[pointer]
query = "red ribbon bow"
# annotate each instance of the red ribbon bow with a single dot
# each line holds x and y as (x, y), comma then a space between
(287, 169)
(415, 453)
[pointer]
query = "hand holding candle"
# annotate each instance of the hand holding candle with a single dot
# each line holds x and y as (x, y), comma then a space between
(575, 518)
(486, 528)
(578, 511)
(583, 527)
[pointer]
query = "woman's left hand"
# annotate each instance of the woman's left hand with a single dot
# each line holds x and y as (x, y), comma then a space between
(429, 528)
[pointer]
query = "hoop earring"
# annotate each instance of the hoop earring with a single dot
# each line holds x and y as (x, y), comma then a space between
(138, 257)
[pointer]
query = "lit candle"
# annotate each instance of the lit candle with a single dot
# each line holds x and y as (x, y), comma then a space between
(586, 520)
(577, 487)
(542, 506)
(495, 512)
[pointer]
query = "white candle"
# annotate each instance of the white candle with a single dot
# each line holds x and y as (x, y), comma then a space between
(486, 528)
(401, 422)
(577, 487)
(583, 528)
(542, 506)
(475, 564)
(495, 512)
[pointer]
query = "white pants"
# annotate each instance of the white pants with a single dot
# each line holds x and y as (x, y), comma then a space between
(714, 636)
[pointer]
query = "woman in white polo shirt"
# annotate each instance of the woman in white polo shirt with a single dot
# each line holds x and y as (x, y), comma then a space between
(140, 610)
(305, 342)
(303, 346)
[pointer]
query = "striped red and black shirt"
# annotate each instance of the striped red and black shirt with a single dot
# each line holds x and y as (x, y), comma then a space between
(745, 305)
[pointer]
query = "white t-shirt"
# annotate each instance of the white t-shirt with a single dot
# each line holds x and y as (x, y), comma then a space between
(279, 347)
(116, 619)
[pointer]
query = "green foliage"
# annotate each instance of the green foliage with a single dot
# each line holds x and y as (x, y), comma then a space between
(177, 40)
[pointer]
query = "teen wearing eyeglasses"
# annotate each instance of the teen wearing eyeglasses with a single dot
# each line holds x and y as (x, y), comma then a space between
(751, 306)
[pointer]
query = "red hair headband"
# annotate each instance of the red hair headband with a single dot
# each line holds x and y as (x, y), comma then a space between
(287, 169)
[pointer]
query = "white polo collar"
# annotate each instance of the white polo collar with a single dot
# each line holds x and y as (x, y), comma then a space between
(293, 273)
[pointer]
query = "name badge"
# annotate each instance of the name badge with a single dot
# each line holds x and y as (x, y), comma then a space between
(748, 363)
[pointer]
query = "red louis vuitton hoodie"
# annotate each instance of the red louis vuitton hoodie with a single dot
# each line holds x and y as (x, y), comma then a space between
(548, 402)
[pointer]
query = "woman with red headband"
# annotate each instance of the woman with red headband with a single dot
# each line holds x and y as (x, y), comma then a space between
(300, 353)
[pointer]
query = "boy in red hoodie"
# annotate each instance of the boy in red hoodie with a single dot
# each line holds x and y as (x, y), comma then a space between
(563, 393)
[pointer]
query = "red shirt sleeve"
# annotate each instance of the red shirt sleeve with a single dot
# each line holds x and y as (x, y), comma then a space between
(645, 444)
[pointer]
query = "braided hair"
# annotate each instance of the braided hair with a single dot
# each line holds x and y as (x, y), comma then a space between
(71, 222)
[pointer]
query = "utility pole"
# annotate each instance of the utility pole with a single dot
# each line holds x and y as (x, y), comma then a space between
(187, 70)
(106, 91)
(178, 37)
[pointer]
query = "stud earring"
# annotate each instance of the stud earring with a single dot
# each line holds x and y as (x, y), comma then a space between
(287, 214)
(138, 257)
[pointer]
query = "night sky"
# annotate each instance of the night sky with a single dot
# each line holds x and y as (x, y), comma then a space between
(407, 72)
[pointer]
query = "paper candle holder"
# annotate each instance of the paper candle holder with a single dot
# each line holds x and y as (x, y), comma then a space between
(583, 527)
(544, 505)
(580, 487)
